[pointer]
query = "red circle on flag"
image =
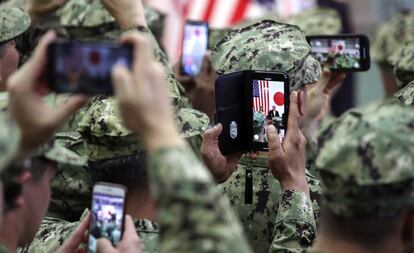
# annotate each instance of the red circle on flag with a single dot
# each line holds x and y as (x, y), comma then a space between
(340, 47)
(95, 57)
(279, 98)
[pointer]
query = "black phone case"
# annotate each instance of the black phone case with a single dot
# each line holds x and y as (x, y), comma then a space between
(232, 137)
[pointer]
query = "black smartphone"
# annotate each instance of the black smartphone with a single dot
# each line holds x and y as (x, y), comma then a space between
(247, 102)
(269, 106)
(79, 67)
(343, 53)
(107, 214)
(194, 47)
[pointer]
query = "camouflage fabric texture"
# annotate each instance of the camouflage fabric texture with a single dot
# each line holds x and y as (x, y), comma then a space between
(390, 36)
(9, 141)
(366, 162)
(317, 21)
(192, 212)
(403, 62)
(53, 151)
(295, 224)
(105, 135)
(406, 94)
(253, 180)
(13, 23)
(267, 45)
(215, 35)
(53, 233)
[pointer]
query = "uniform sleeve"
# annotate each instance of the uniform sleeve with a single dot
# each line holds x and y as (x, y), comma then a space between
(295, 227)
(192, 211)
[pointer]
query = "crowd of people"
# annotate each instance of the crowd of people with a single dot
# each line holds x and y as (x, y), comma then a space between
(332, 185)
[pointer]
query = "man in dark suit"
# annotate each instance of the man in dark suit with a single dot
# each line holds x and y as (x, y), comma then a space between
(272, 113)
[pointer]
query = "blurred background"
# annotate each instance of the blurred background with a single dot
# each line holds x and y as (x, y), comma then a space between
(358, 16)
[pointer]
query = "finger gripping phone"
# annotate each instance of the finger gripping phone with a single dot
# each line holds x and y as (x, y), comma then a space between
(79, 67)
(247, 102)
(342, 53)
(107, 214)
(194, 47)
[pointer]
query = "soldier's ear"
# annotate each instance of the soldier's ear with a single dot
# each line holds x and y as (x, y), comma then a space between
(408, 231)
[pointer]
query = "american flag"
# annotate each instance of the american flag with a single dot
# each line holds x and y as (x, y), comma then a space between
(261, 96)
(219, 14)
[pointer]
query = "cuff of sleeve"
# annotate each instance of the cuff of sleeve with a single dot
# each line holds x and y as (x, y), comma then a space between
(295, 205)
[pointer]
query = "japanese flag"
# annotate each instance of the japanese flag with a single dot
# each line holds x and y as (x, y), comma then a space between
(338, 46)
(277, 96)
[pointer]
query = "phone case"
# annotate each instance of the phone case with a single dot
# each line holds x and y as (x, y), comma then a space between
(232, 138)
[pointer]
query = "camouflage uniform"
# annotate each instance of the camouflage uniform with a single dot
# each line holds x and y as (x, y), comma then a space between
(253, 191)
(403, 62)
(406, 94)
(366, 163)
(13, 23)
(390, 36)
(100, 135)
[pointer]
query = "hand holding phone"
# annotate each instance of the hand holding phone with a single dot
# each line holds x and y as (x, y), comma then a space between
(194, 47)
(107, 214)
(342, 53)
(78, 67)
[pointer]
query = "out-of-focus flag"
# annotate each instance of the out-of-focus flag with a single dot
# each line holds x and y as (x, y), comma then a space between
(261, 96)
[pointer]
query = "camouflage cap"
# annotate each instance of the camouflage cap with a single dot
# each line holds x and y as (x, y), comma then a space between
(106, 136)
(9, 141)
(366, 162)
(403, 62)
(258, 119)
(215, 35)
(406, 94)
(317, 21)
(390, 36)
(54, 151)
(13, 22)
(267, 45)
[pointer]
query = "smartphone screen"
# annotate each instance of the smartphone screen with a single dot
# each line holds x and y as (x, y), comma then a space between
(269, 108)
(85, 67)
(195, 41)
(107, 214)
(341, 53)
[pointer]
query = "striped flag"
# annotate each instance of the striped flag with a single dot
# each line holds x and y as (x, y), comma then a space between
(261, 96)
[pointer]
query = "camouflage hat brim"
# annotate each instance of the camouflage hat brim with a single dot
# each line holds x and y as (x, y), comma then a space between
(403, 62)
(13, 23)
(9, 142)
(105, 135)
(57, 153)
(406, 94)
(309, 73)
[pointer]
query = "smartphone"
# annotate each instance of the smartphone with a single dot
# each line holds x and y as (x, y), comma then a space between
(107, 214)
(343, 53)
(194, 47)
(247, 102)
(269, 106)
(78, 67)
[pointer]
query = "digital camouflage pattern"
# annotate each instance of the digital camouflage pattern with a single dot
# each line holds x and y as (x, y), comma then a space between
(13, 22)
(53, 232)
(192, 212)
(317, 21)
(9, 141)
(403, 62)
(390, 36)
(54, 151)
(267, 45)
(406, 94)
(255, 195)
(106, 136)
(295, 224)
(366, 162)
(215, 35)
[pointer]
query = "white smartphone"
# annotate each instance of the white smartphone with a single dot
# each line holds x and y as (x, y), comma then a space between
(107, 214)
